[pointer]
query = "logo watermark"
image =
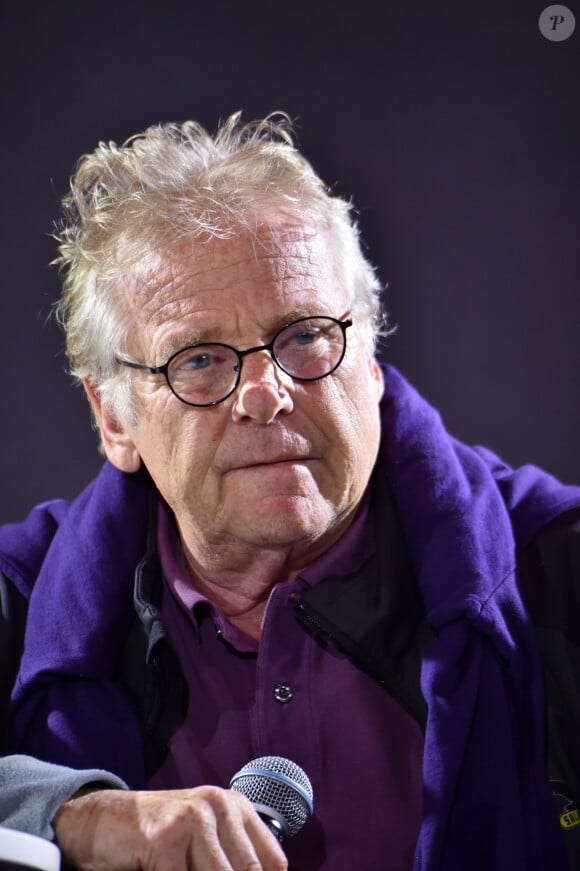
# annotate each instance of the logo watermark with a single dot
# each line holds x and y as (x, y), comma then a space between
(557, 23)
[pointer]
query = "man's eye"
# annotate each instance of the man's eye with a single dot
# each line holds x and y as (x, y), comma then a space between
(195, 362)
(304, 338)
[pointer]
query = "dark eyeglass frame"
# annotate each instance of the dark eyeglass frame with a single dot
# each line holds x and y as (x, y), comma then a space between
(164, 368)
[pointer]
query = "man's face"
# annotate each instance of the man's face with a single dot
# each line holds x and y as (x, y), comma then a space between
(281, 464)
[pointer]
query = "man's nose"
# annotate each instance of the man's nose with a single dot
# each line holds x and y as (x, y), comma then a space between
(262, 393)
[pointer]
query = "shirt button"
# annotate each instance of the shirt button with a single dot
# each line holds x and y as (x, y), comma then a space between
(282, 693)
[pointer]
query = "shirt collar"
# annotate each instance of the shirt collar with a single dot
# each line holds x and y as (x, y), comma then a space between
(345, 556)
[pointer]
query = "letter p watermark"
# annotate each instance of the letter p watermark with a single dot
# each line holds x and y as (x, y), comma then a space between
(557, 23)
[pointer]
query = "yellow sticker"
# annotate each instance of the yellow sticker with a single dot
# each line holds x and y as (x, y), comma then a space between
(570, 819)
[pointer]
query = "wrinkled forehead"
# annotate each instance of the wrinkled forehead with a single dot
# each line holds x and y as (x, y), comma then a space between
(273, 245)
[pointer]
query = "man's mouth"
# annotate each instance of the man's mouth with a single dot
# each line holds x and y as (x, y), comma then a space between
(271, 461)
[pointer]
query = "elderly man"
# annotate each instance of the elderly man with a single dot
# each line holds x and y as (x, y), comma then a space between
(329, 576)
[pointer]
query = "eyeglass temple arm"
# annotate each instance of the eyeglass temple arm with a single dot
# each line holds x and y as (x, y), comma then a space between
(155, 370)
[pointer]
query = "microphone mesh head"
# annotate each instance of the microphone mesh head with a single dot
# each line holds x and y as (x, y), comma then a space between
(277, 783)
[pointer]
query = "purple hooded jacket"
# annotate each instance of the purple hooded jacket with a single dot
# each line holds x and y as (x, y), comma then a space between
(464, 515)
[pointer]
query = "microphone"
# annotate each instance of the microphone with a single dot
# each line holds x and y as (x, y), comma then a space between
(280, 792)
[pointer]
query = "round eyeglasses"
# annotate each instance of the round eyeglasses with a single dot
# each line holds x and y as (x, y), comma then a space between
(205, 374)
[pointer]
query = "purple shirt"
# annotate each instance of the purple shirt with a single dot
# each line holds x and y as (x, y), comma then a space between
(293, 696)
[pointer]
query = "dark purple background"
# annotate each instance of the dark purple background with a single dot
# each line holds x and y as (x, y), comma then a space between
(455, 127)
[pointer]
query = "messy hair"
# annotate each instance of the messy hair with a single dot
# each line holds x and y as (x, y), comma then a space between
(174, 182)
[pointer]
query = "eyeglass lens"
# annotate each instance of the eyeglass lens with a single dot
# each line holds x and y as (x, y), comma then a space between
(306, 350)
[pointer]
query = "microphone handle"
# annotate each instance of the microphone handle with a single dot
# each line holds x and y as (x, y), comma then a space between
(273, 825)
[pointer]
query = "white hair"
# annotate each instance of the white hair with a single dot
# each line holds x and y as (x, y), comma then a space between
(171, 182)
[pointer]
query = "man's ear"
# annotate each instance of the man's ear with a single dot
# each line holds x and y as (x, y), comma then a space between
(377, 377)
(116, 438)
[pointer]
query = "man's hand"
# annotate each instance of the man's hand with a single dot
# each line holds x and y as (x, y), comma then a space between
(202, 829)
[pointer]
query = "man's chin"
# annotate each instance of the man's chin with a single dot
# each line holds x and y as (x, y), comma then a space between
(283, 520)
